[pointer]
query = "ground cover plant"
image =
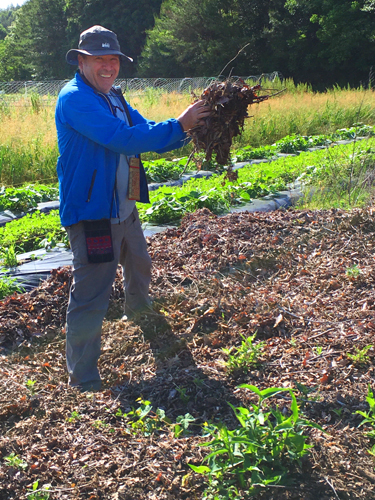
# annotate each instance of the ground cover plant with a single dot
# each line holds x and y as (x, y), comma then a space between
(216, 281)
(28, 233)
(27, 197)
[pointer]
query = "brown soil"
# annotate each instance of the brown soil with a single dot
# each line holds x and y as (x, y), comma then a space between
(289, 276)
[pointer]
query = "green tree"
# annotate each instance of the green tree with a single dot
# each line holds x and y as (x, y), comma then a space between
(324, 42)
(35, 45)
(128, 19)
(7, 16)
(200, 37)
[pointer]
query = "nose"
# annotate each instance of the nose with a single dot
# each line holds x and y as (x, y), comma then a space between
(107, 65)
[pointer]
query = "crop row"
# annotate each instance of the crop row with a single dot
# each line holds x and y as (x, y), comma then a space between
(27, 197)
(345, 166)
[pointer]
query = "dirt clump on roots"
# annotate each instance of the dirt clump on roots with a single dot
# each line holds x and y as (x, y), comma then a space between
(304, 281)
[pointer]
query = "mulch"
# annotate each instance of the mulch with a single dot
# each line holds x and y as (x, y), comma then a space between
(302, 280)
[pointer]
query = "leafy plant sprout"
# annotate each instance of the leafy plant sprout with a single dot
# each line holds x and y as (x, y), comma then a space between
(145, 421)
(30, 385)
(318, 350)
(74, 416)
(183, 394)
(369, 416)
(15, 461)
(360, 357)
(244, 357)
(258, 453)
(38, 494)
(353, 271)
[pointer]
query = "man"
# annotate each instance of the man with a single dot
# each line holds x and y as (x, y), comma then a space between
(100, 138)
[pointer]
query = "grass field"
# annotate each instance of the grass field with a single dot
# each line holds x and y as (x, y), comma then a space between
(28, 144)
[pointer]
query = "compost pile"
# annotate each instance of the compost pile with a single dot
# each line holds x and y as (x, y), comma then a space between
(228, 102)
(304, 281)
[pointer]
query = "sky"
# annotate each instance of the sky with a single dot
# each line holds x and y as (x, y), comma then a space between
(6, 3)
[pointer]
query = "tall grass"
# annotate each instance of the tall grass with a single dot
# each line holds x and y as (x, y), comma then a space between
(28, 146)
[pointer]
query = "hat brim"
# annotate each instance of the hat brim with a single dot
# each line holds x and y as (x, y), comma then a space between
(72, 55)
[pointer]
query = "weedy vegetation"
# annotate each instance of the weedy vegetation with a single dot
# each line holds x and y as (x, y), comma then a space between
(360, 356)
(244, 357)
(264, 450)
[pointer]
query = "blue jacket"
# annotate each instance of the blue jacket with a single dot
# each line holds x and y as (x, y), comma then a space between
(91, 139)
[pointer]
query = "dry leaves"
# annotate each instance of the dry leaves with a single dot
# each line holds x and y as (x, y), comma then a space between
(228, 102)
(282, 274)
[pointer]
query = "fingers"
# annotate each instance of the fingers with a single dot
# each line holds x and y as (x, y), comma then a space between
(194, 115)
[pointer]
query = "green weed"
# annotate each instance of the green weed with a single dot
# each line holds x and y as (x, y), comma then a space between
(15, 461)
(146, 421)
(306, 394)
(36, 102)
(353, 271)
(244, 357)
(36, 494)
(261, 451)
(183, 394)
(8, 286)
(360, 357)
(369, 416)
(30, 385)
(74, 416)
(8, 256)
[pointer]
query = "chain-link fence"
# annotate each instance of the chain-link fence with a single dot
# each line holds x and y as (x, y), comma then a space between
(21, 93)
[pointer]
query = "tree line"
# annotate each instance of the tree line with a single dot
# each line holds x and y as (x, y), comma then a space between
(321, 42)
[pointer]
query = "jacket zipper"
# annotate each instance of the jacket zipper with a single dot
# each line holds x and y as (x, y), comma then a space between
(114, 187)
(91, 186)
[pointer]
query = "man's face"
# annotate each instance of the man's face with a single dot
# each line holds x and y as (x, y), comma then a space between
(100, 71)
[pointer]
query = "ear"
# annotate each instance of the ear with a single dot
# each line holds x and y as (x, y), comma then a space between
(80, 59)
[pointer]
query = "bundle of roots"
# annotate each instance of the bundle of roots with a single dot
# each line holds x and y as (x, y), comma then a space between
(228, 102)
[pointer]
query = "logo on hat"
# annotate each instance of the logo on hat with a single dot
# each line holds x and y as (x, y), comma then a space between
(106, 45)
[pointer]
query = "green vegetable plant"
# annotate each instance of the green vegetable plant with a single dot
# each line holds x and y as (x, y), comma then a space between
(292, 144)
(244, 357)
(162, 170)
(8, 286)
(262, 451)
(22, 199)
(27, 233)
(8, 256)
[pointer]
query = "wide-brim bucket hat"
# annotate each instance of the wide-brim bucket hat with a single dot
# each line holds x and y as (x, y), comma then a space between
(96, 41)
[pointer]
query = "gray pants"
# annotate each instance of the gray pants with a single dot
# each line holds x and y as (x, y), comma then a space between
(90, 292)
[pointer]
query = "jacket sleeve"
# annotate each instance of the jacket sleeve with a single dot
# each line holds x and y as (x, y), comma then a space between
(138, 118)
(88, 114)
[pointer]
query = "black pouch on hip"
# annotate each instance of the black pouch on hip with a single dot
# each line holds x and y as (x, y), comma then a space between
(98, 236)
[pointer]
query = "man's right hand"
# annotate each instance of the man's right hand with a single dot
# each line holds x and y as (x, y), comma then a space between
(193, 115)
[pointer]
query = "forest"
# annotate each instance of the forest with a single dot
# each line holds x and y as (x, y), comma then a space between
(325, 43)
